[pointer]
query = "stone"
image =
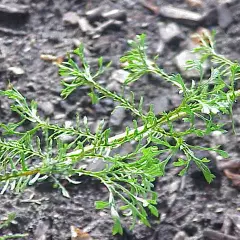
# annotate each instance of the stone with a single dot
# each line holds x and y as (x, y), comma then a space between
(210, 17)
(119, 75)
(160, 47)
(169, 32)
(180, 61)
(16, 71)
(84, 25)
(174, 186)
(65, 138)
(184, 16)
(225, 17)
(13, 15)
(117, 116)
(160, 104)
(116, 14)
(71, 18)
(2, 55)
(97, 165)
(9, 31)
(59, 116)
(114, 87)
(47, 108)
(180, 236)
(106, 25)
(226, 1)
(94, 14)
(2, 60)
(40, 232)
(14, 9)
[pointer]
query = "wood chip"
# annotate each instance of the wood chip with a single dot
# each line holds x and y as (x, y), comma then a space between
(14, 9)
(77, 234)
(150, 6)
(184, 16)
(231, 164)
(233, 176)
(9, 31)
(51, 58)
(195, 3)
(199, 34)
(215, 235)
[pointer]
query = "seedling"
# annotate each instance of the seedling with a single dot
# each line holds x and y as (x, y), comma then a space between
(6, 223)
(27, 158)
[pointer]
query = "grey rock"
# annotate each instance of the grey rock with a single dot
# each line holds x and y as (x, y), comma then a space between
(180, 61)
(14, 9)
(184, 16)
(117, 116)
(65, 138)
(119, 75)
(219, 138)
(16, 71)
(114, 86)
(116, 14)
(47, 108)
(96, 165)
(76, 42)
(226, 1)
(84, 25)
(160, 47)
(180, 236)
(41, 231)
(71, 18)
(172, 199)
(169, 32)
(94, 14)
(9, 31)
(106, 25)
(2, 55)
(174, 186)
(126, 148)
(2, 61)
(225, 17)
(13, 15)
(160, 103)
(59, 116)
(210, 17)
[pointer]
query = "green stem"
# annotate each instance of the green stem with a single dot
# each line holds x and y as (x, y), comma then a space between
(141, 130)
(14, 236)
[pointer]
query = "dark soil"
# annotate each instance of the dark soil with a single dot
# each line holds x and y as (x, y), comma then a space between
(188, 206)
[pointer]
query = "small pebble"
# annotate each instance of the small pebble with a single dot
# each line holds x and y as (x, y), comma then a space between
(85, 25)
(180, 61)
(115, 14)
(225, 17)
(170, 32)
(16, 70)
(71, 18)
(47, 108)
(119, 75)
(117, 116)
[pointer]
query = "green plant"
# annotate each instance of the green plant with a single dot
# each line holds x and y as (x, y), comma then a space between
(27, 158)
(6, 223)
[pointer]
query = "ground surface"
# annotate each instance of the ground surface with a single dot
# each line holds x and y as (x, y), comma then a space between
(189, 206)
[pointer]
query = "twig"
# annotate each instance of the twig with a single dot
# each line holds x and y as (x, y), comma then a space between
(215, 235)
